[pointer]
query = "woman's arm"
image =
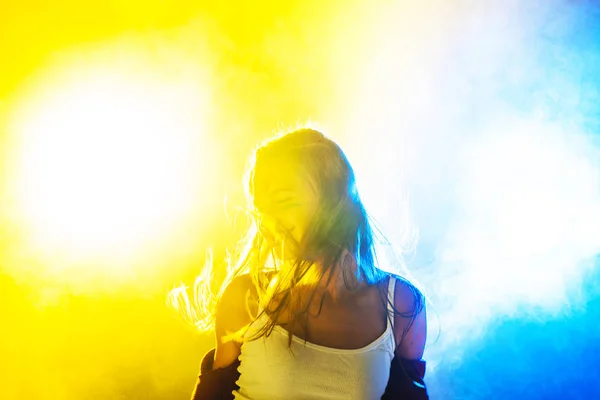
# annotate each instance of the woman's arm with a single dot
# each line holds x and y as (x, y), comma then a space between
(410, 332)
(232, 315)
(407, 369)
(218, 372)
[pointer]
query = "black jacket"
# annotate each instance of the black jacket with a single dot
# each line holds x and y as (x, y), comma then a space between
(405, 383)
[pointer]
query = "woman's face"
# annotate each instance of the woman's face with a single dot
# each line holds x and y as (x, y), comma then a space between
(286, 201)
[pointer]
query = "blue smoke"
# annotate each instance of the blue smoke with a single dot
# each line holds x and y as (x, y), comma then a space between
(492, 126)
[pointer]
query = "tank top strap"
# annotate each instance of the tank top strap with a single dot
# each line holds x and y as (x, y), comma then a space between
(390, 299)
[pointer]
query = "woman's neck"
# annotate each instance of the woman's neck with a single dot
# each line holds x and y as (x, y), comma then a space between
(341, 282)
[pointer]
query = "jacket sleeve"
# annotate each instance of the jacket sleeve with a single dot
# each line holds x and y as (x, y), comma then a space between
(406, 381)
(215, 384)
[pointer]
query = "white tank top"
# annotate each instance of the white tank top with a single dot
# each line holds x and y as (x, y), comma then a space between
(269, 370)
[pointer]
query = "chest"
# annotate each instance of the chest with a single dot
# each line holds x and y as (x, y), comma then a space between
(350, 325)
(270, 369)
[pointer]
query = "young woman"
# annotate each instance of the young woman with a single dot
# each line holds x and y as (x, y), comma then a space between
(306, 313)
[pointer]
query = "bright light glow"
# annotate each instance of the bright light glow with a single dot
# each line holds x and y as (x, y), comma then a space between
(106, 163)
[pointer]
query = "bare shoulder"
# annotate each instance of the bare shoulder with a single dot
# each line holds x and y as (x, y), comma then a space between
(407, 297)
(410, 320)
